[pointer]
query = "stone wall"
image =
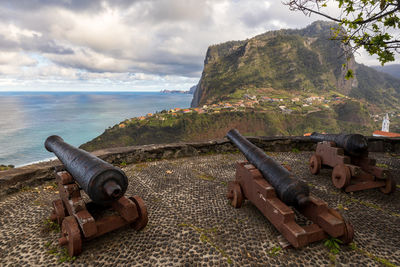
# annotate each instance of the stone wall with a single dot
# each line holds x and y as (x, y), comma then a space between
(31, 175)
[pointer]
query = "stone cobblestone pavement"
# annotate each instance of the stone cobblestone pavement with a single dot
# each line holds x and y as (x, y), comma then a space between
(192, 224)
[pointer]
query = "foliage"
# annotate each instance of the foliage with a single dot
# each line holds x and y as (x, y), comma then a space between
(300, 61)
(49, 224)
(275, 251)
(371, 24)
(192, 127)
(6, 167)
(333, 244)
(62, 253)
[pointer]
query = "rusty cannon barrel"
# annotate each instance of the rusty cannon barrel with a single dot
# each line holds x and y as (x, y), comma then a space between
(102, 181)
(353, 144)
(289, 188)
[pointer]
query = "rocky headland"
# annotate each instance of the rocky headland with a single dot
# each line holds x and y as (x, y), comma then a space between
(286, 82)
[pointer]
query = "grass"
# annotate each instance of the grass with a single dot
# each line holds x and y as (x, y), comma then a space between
(383, 261)
(333, 244)
(141, 166)
(274, 251)
(52, 186)
(52, 226)
(205, 236)
(296, 150)
(65, 257)
(382, 165)
(61, 253)
(204, 176)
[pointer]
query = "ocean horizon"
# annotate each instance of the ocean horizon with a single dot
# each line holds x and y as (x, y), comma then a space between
(28, 118)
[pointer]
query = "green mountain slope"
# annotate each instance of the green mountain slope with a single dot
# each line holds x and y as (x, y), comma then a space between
(165, 128)
(286, 82)
(305, 61)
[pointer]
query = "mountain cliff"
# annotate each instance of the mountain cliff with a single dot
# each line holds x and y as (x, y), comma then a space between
(286, 82)
(297, 61)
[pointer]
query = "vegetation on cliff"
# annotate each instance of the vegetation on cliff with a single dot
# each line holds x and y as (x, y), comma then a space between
(372, 25)
(265, 119)
(6, 167)
(303, 60)
(287, 82)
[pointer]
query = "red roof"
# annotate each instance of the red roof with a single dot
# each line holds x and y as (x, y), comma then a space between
(386, 134)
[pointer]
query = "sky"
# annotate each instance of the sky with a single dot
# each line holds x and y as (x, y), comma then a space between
(121, 45)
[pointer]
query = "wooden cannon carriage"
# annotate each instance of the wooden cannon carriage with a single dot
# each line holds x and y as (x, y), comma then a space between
(105, 185)
(353, 169)
(276, 192)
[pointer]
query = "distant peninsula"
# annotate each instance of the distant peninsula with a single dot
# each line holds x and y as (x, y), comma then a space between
(175, 92)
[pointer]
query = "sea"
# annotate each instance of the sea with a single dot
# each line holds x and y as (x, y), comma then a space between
(28, 118)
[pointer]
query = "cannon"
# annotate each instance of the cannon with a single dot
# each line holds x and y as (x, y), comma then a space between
(353, 170)
(107, 210)
(272, 188)
(353, 144)
(291, 190)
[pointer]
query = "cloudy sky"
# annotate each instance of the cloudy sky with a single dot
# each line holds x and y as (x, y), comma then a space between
(142, 45)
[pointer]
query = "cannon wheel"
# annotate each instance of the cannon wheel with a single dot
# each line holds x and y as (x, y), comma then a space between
(348, 235)
(389, 187)
(71, 236)
(141, 222)
(58, 213)
(315, 164)
(235, 194)
(341, 176)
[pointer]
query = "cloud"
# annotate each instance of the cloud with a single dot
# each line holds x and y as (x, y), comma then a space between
(109, 40)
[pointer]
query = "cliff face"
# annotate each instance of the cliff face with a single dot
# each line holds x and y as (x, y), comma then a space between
(301, 61)
(286, 82)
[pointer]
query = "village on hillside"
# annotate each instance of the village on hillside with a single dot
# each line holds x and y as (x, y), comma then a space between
(285, 104)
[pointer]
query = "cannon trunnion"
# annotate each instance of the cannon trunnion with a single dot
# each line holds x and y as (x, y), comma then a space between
(352, 170)
(105, 184)
(254, 183)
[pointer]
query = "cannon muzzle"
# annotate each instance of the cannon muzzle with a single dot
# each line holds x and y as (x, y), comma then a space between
(354, 144)
(102, 181)
(289, 188)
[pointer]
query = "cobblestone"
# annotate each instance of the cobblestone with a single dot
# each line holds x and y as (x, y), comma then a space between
(192, 224)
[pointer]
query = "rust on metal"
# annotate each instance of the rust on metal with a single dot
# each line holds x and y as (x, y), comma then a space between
(351, 171)
(250, 184)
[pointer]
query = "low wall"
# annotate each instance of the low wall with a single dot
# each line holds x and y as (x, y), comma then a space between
(31, 175)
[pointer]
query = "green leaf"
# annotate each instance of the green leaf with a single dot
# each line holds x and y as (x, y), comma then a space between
(349, 74)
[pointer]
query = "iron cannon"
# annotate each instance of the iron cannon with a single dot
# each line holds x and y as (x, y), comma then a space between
(290, 189)
(353, 169)
(353, 144)
(105, 184)
(102, 181)
(272, 188)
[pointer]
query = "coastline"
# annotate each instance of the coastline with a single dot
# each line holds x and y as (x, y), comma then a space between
(77, 117)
